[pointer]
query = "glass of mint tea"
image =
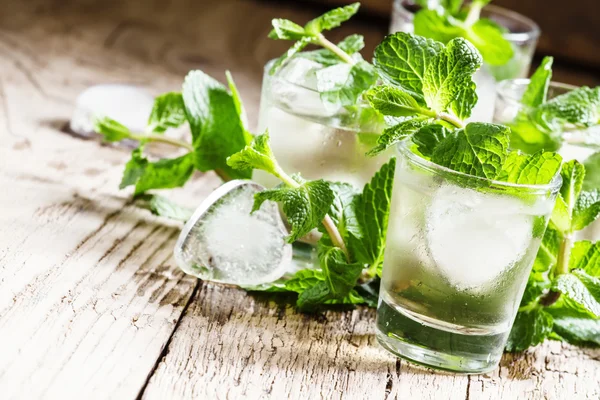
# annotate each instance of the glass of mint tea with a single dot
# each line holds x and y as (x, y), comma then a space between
(521, 32)
(312, 137)
(458, 255)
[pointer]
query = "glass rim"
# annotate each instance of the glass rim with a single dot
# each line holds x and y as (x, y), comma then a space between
(266, 71)
(503, 89)
(404, 148)
(533, 32)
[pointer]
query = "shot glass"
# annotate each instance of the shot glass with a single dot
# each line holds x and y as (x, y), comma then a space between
(577, 143)
(521, 32)
(459, 252)
(311, 138)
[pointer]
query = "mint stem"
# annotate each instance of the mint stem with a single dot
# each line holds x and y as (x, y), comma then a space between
(451, 119)
(474, 13)
(152, 137)
(564, 255)
(335, 49)
(562, 267)
(327, 222)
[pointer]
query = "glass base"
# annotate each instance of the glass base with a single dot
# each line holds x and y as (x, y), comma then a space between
(435, 359)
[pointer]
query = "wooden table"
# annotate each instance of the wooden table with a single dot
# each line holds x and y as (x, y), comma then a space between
(91, 302)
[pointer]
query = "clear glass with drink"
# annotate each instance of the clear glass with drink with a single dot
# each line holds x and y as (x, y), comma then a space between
(458, 255)
(521, 32)
(311, 138)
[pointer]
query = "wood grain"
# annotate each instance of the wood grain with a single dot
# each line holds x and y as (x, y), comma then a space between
(91, 303)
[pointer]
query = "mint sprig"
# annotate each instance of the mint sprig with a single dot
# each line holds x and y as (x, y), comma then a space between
(217, 122)
(311, 33)
(541, 123)
(562, 298)
(353, 225)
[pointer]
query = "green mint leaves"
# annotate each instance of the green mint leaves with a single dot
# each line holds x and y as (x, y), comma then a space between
(562, 298)
(541, 122)
(304, 205)
(537, 90)
(217, 122)
(479, 150)
(353, 226)
(284, 29)
(426, 81)
(452, 21)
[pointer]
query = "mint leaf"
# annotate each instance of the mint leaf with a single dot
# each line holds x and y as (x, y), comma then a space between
(371, 208)
(586, 210)
(547, 254)
(572, 173)
(112, 130)
(485, 34)
(530, 329)
(536, 169)
(579, 107)
(576, 294)
(304, 206)
(592, 176)
(352, 44)
(340, 276)
(428, 137)
(217, 129)
(256, 155)
(163, 207)
(168, 111)
(394, 101)
(447, 83)
(529, 137)
(342, 211)
(237, 101)
(396, 133)
(162, 174)
(537, 89)
(479, 149)
(284, 29)
(342, 84)
(585, 256)
(488, 38)
(402, 60)
(331, 19)
(432, 24)
(576, 328)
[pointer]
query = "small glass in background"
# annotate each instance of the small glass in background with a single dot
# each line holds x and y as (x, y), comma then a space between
(310, 137)
(458, 255)
(522, 33)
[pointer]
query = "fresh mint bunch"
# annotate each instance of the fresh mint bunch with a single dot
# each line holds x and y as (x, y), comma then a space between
(353, 225)
(345, 75)
(541, 123)
(217, 122)
(453, 19)
(429, 92)
(562, 298)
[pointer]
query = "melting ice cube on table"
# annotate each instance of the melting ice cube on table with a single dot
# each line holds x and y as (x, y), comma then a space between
(128, 105)
(224, 242)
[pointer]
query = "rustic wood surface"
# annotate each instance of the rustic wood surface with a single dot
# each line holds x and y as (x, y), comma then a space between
(91, 302)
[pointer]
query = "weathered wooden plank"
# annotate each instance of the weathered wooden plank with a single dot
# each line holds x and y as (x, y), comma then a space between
(231, 345)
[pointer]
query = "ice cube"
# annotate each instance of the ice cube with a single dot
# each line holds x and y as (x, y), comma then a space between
(223, 242)
(486, 96)
(129, 105)
(474, 237)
